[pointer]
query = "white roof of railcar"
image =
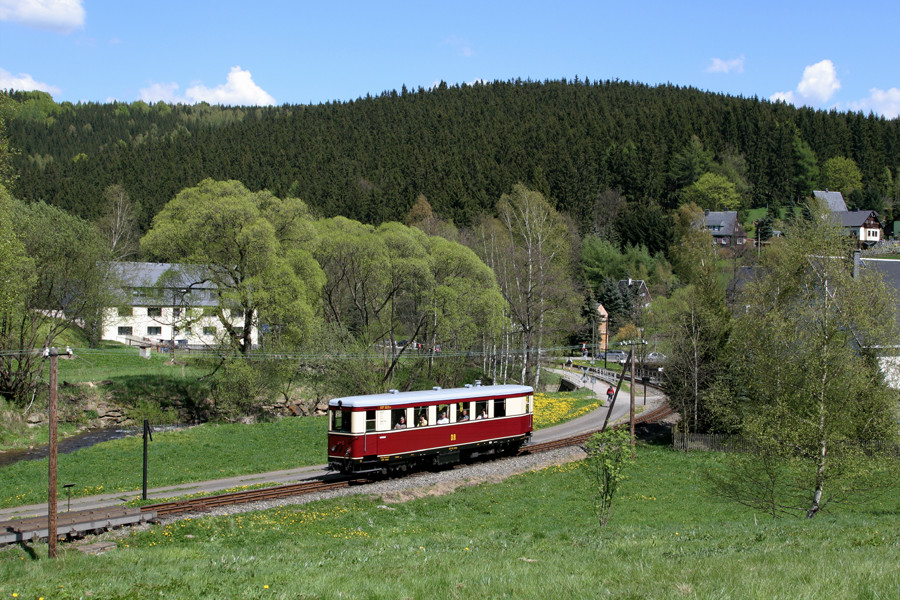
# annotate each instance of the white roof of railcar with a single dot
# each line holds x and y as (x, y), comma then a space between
(427, 396)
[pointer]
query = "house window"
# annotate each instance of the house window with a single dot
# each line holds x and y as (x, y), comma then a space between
(176, 312)
(126, 311)
(154, 311)
(237, 314)
(185, 331)
(125, 330)
(154, 331)
(209, 331)
(872, 234)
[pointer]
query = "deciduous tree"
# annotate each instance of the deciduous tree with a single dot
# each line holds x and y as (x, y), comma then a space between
(253, 246)
(804, 364)
(57, 267)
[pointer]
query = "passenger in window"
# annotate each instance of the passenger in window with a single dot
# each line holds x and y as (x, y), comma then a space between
(422, 420)
(443, 420)
(482, 414)
(464, 416)
(401, 424)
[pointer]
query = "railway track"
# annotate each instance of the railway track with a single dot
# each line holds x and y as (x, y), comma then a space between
(18, 529)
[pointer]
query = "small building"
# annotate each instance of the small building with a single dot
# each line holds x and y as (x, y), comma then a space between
(168, 305)
(725, 228)
(863, 225)
(637, 291)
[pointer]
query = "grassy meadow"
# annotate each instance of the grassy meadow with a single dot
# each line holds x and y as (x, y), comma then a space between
(531, 536)
(209, 451)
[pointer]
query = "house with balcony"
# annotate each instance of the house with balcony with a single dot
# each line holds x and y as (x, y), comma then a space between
(864, 226)
(166, 305)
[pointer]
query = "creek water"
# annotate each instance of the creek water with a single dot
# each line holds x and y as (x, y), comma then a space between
(69, 444)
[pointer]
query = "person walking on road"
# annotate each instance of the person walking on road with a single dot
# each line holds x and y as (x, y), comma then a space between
(609, 394)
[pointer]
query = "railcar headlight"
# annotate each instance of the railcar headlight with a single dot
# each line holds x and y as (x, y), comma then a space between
(333, 448)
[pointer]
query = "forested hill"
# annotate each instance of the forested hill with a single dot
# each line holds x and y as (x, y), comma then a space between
(460, 146)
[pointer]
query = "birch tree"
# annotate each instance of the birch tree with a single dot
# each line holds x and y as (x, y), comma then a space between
(528, 248)
(813, 399)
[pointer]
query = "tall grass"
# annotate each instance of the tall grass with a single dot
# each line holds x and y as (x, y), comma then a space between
(531, 536)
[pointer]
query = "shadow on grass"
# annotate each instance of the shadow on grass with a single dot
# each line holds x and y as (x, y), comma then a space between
(188, 397)
(654, 434)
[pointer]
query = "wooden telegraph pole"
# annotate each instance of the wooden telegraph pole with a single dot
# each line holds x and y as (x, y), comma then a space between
(51, 493)
(631, 395)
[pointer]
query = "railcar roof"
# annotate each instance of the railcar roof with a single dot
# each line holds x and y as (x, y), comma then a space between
(427, 396)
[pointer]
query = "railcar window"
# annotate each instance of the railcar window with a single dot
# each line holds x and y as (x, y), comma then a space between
(462, 412)
(422, 419)
(370, 420)
(398, 418)
(443, 413)
(500, 408)
(340, 420)
(481, 409)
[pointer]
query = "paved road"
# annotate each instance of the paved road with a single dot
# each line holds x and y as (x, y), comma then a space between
(589, 422)
(594, 420)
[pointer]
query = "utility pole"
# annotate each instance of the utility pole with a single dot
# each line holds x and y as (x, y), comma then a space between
(631, 394)
(51, 492)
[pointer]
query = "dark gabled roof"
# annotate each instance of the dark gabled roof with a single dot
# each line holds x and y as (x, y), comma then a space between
(853, 218)
(833, 200)
(721, 223)
(167, 284)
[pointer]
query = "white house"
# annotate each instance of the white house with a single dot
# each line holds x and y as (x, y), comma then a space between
(863, 225)
(166, 305)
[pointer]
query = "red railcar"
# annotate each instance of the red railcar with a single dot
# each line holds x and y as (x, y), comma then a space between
(401, 430)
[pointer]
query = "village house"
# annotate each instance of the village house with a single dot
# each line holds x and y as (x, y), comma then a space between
(166, 305)
(863, 225)
(725, 228)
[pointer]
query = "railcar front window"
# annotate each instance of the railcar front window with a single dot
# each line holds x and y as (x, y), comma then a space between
(340, 420)
(370, 420)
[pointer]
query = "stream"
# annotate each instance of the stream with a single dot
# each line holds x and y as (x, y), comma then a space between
(70, 444)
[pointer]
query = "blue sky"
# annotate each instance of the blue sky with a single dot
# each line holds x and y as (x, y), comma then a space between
(822, 54)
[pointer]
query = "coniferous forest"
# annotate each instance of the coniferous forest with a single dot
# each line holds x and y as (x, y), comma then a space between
(461, 147)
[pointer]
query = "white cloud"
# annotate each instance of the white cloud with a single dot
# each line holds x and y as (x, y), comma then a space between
(238, 89)
(162, 92)
(818, 85)
(782, 97)
(726, 66)
(56, 15)
(819, 81)
(24, 82)
(882, 102)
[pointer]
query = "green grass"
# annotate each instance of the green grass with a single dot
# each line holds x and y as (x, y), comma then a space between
(531, 536)
(113, 361)
(208, 451)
